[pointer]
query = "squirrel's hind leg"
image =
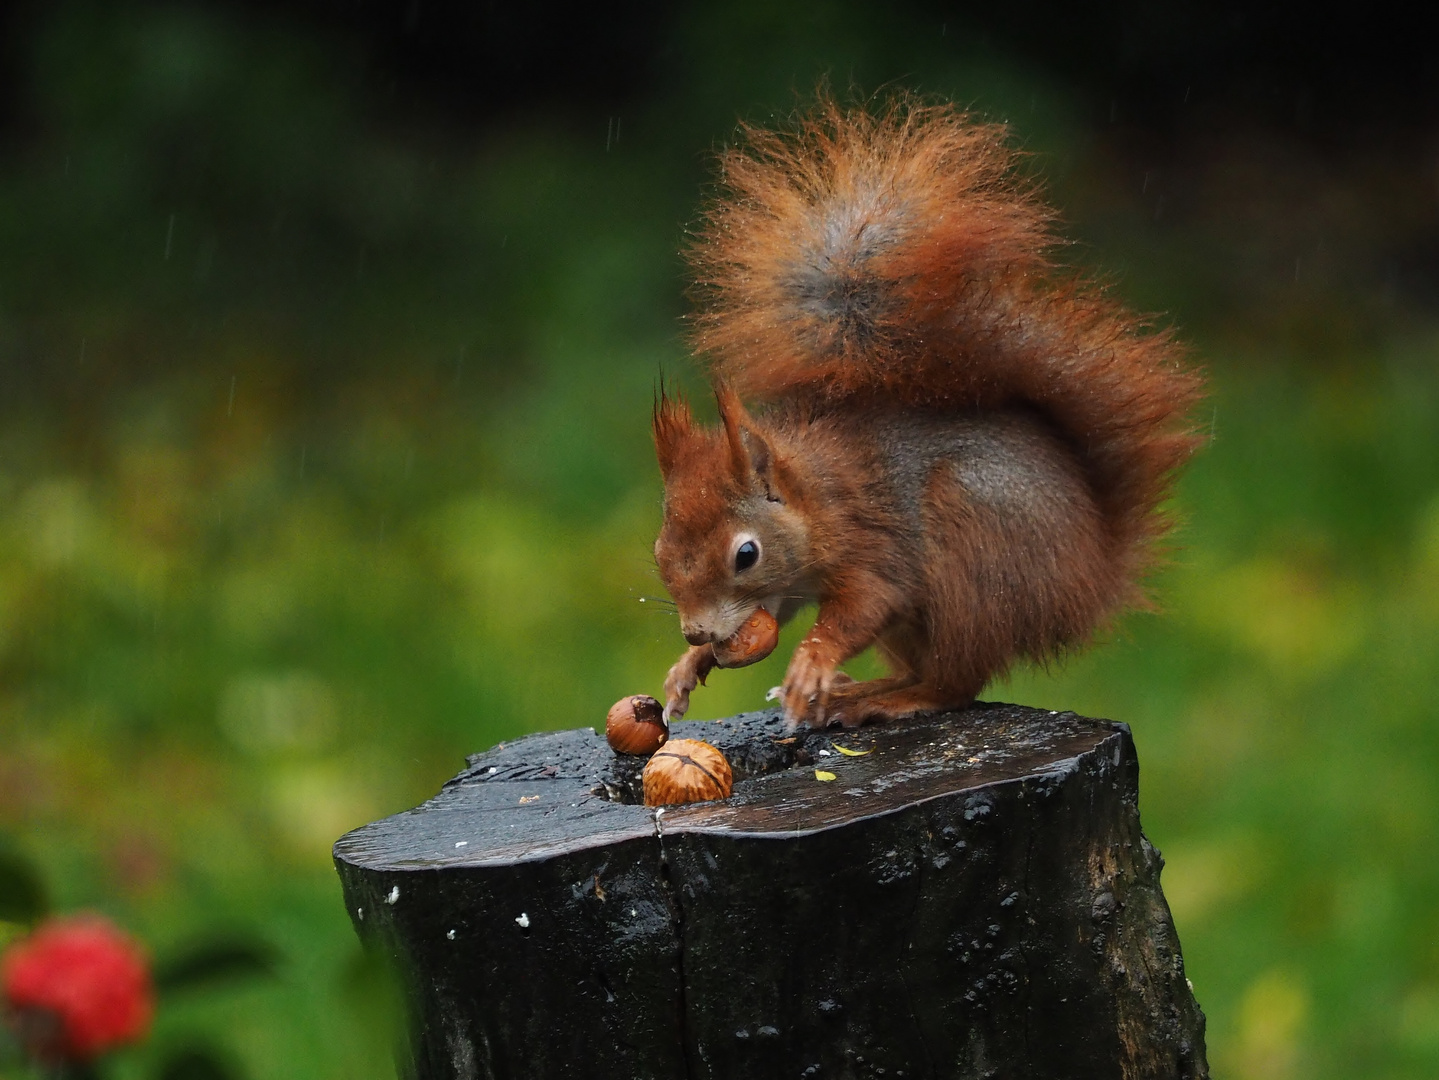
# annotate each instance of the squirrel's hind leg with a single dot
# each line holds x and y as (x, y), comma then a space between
(890, 699)
(912, 688)
(848, 703)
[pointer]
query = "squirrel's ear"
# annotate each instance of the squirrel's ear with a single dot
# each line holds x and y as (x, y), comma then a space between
(761, 459)
(671, 424)
(735, 420)
(751, 459)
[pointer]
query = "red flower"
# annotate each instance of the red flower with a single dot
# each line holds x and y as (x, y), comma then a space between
(77, 987)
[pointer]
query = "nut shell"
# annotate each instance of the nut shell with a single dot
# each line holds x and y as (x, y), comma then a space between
(751, 643)
(687, 771)
(636, 725)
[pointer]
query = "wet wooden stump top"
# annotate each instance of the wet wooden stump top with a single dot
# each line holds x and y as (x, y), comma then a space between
(974, 898)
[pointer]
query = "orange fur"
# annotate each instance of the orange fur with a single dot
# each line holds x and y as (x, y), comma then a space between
(883, 287)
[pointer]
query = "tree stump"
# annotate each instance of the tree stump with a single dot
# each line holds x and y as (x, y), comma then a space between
(973, 898)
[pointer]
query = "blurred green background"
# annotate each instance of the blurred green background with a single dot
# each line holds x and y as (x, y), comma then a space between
(327, 340)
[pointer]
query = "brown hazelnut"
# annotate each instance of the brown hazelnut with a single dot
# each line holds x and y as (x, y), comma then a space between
(687, 771)
(751, 643)
(636, 725)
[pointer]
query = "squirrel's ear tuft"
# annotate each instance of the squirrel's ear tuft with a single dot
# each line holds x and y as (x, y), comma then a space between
(751, 460)
(735, 419)
(672, 423)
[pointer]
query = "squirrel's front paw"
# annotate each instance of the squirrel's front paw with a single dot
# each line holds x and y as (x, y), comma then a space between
(678, 684)
(688, 672)
(807, 685)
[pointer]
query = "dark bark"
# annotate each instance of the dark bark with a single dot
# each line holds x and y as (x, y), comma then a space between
(974, 898)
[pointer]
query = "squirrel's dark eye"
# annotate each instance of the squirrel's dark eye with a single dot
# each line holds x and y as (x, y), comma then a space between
(746, 556)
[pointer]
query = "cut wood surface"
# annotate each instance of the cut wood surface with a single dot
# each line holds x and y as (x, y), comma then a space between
(971, 897)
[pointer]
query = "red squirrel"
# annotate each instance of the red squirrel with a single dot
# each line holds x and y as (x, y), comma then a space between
(956, 448)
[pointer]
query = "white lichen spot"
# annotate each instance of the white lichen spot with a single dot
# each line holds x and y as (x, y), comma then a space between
(393, 895)
(359, 911)
(450, 935)
(461, 843)
(523, 921)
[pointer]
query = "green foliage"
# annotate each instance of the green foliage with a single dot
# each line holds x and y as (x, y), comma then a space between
(23, 896)
(214, 960)
(324, 462)
(198, 1063)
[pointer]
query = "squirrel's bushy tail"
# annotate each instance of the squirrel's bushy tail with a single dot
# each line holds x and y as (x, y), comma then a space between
(898, 256)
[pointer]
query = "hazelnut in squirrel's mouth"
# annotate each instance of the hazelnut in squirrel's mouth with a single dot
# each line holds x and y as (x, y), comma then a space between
(752, 642)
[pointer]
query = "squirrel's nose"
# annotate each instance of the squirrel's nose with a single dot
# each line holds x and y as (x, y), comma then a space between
(695, 635)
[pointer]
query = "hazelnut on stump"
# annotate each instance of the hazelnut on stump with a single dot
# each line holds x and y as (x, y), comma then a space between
(636, 725)
(687, 771)
(751, 643)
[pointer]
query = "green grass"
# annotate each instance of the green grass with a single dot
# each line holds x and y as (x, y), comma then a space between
(324, 462)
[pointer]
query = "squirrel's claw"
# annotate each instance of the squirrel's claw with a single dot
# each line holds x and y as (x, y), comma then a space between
(676, 705)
